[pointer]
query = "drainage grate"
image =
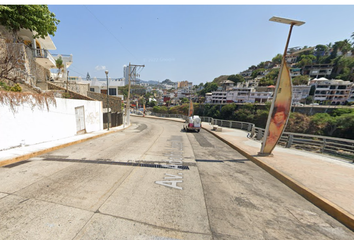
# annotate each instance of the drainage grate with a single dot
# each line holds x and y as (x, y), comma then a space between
(107, 161)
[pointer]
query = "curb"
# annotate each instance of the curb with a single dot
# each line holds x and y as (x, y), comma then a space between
(330, 208)
(40, 152)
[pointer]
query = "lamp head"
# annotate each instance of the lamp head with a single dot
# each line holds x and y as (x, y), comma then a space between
(106, 72)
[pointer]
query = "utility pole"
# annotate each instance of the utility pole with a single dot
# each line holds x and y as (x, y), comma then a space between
(131, 75)
(67, 81)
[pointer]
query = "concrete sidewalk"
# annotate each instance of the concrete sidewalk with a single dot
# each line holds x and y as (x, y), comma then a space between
(17, 154)
(327, 182)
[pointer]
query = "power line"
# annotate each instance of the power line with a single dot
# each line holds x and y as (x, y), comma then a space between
(110, 33)
(70, 69)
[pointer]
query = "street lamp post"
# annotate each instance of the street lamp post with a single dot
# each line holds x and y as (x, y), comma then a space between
(108, 115)
(282, 97)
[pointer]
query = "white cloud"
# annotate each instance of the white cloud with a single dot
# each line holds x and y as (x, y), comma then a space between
(100, 68)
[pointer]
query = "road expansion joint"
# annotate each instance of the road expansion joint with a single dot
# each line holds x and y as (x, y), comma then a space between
(154, 226)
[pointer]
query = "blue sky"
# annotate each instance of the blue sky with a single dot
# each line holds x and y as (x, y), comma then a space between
(189, 42)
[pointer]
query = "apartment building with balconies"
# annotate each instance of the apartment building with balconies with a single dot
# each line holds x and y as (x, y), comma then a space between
(334, 92)
(318, 70)
(219, 97)
(351, 95)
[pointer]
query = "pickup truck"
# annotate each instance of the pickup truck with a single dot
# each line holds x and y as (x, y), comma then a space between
(193, 123)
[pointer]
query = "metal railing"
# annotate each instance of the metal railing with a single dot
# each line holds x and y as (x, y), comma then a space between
(43, 53)
(339, 147)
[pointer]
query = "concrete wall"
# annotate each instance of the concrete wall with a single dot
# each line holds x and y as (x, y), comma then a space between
(35, 126)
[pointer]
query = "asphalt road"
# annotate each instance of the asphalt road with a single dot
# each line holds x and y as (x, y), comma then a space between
(153, 181)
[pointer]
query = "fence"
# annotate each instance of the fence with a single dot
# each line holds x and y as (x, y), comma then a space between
(116, 119)
(339, 147)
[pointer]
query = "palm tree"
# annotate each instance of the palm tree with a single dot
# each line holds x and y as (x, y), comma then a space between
(59, 64)
(346, 47)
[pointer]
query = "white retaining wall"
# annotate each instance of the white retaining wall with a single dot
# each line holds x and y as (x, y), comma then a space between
(28, 126)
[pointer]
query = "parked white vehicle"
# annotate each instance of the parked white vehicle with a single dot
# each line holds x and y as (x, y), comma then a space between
(193, 123)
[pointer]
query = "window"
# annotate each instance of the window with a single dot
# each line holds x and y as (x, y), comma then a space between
(92, 90)
(113, 91)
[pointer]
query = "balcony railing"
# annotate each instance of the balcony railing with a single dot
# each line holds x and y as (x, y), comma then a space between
(43, 53)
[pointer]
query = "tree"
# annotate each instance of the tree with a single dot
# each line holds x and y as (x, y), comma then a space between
(11, 59)
(277, 59)
(320, 51)
(318, 123)
(59, 64)
(208, 87)
(152, 103)
(256, 72)
(346, 125)
(236, 78)
(309, 99)
(184, 100)
(343, 63)
(306, 60)
(301, 80)
(344, 46)
(88, 77)
(261, 65)
(270, 78)
(341, 111)
(312, 90)
(36, 18)
(298, 123)
(227, 111)
(244, 115)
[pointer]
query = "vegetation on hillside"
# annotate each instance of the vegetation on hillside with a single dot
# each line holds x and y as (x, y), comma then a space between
(339, 123)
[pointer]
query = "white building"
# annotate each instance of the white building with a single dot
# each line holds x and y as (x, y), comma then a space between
(183, 92)
(253, 95)
(332, 91)
(260, 97)
(101, 86)
(300, 92)
(126, 75)
(351, 95)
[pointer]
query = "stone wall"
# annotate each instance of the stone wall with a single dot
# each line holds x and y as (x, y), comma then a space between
(24, 58)
(73, 95)
(115, 103)
(81, 88)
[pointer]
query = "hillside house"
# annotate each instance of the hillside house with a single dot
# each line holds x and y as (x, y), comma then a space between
(335, 92)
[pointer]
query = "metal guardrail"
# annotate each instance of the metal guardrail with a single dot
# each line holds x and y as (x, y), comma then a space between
(339, 147)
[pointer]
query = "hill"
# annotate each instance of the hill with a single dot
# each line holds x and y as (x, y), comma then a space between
(219, 79)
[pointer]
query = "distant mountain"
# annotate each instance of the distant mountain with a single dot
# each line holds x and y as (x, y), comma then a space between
(149, 81)
(153, 82)
(167, 81)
